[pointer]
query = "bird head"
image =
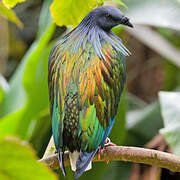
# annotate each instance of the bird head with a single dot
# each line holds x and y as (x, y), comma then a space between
(106, 17)
(96, 26)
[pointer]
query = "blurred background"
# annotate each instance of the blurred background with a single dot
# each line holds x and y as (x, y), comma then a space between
(149, 112)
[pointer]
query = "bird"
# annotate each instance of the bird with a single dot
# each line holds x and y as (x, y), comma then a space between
(86, 77)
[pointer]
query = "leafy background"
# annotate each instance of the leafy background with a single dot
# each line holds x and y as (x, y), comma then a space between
(144, 111)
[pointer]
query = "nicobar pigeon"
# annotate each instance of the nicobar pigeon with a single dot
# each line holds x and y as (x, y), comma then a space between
(86, 76)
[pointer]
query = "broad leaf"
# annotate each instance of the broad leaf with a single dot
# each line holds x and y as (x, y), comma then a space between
(10, 15)
(67, 12)
(45, 18)
(4, 86)
(1, 95)
(170, 109)
(27, 95)
(11, 3)
(10, 123)
(18, 162)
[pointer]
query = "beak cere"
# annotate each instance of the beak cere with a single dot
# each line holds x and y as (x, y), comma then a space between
(125, 21)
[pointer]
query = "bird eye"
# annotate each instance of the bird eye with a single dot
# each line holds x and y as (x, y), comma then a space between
(108, 17)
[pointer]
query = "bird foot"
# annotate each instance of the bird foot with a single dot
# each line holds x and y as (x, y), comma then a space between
(101, 149)
(108, 143)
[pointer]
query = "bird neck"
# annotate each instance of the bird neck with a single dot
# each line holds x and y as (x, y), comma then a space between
(88, 33)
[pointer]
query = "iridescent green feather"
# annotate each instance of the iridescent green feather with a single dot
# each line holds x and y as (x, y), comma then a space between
(84, 91)
(98, 83)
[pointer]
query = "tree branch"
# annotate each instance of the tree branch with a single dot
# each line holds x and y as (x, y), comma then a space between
(125, 153)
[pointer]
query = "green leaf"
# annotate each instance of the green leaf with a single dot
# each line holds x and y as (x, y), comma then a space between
(27, 96)
(40, 142)
(31, 75)
(10, 123)
(18, 162)
(1, 95)
(4, 86)
(171, 76)
(11, 3)
(170, 109)
(68, 12)
(10, 15)
(45, 18)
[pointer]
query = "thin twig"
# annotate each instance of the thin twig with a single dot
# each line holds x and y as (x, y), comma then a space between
(130, 154)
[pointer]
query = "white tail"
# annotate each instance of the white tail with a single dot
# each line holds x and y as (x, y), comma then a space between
(73, 158)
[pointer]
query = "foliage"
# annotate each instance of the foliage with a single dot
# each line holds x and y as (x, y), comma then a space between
(15, 156)
(67, 12)
(24, 109)
(60, 11)
(11, 3)
(170, 107)
(18, 98)
(10, 15)
(3, 87)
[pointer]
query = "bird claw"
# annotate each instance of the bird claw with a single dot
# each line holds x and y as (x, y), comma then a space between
(108, 143)
(101, 149)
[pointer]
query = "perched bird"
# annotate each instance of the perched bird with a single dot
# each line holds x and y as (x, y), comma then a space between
(86, 76)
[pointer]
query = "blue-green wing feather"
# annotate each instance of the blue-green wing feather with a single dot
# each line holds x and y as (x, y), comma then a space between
(84, 93)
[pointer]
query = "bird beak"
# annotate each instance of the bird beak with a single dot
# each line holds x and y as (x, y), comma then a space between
(129, 24)
(125, 21)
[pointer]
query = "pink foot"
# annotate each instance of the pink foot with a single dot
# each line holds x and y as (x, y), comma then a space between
(101, 149)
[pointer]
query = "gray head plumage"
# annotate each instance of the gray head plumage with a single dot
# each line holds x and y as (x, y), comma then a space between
(96, 26)
(106, 17)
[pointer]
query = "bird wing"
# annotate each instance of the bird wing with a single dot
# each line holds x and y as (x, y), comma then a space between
(100, 85)
(56, 94)
(55, 98)
(99, 82)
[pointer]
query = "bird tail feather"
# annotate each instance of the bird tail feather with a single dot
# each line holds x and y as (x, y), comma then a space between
(61, 161)
(83, 161)
(73, 158)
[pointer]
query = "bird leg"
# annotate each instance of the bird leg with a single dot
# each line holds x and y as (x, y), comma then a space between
(101, 149)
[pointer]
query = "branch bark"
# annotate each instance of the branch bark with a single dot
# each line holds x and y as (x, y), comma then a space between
(129, 154)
